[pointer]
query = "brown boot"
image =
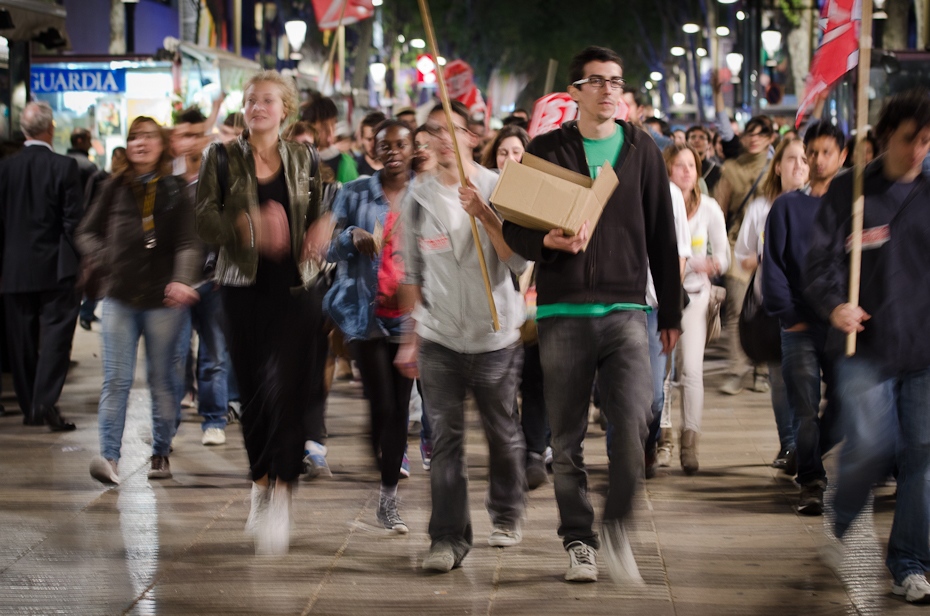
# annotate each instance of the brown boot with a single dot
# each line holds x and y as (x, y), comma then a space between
(689, 461)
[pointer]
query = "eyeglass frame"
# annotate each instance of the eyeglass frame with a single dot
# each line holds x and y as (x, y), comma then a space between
(615, 82)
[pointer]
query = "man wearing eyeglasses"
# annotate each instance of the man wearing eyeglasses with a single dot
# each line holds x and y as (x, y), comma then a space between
(591, 309)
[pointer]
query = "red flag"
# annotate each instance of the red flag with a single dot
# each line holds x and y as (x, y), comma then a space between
(838, 52)
(552, 110)
(328, 11)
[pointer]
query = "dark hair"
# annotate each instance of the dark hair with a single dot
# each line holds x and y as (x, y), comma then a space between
(389, 124)
(762, 122)
(458, 108)
(372, 119)
(591, 54)
(163, 167)
(298, 128)
(513, 120)
(489, 158)
(80, 137)
(634, 92)
(520, 110)
(405, 111)
(235, 120)
(910, 105)
(697, 128)
(191, 115)
(822, 128)
(320, 110)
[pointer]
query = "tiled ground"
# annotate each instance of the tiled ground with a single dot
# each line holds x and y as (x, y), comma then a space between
(723, 542)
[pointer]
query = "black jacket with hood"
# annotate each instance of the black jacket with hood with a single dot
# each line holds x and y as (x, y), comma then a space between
(636, 230)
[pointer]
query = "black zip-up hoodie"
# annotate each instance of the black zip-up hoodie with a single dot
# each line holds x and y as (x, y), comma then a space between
(637, 223)
(894, 285)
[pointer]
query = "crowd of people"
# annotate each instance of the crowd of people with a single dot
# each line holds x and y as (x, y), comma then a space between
(285, 251)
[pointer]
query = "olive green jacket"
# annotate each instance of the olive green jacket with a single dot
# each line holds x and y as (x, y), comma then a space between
(237, 263)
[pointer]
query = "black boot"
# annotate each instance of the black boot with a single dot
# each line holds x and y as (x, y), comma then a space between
(54, 420)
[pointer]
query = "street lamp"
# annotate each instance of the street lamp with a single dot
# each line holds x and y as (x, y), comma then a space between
(655, 76)
(735, 64)
(296, 31)
(723, 31)
(677, 51)
(771, 43)
(418, 43)
(740, 15)
(377, 2)
(701, 52)
(678, 98)
(726, 1)
(879, 9)
(690, 28)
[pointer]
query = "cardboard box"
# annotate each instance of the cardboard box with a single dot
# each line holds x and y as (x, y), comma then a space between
(541, 195)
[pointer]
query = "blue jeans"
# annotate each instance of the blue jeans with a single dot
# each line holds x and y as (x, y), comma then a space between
(492, 378)
(784, 417)
(122, 327)
(885, 419)
(802, 362)
(573, 350)
(213, 364)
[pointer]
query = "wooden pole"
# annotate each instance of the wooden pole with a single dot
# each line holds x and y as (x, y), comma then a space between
(550, 76)
(330, 68)
(862, 118)
(447, 107)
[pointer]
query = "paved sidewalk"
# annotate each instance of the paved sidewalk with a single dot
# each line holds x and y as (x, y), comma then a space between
(725, 541)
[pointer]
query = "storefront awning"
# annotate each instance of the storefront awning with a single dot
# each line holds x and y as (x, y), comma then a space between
(218, 57)
(31, 18)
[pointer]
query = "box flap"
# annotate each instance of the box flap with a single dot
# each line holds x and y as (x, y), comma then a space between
(606, 183)
(552, 169)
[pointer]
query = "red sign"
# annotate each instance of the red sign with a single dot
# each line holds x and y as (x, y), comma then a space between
(328, 12)
(553, 110)
(460, 79)
(426, 70)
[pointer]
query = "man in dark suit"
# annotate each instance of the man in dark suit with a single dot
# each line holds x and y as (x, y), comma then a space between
(79, 151)
(40, 207)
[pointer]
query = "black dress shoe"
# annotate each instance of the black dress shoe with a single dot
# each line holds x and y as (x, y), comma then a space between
(84, 323)
(787, 461)
(33, 420)
(57, 423)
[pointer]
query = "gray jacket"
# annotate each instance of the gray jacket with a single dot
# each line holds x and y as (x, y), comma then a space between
(236, 264)
(441, 258)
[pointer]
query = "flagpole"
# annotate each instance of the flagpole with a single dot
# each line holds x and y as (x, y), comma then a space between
(447, 107)
(862, 118)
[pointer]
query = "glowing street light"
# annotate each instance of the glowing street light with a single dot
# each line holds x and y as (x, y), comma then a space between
(723, 31)
(417, 43)
(734, 63)
(377, 2)
(296, 31)
(740, 15)
(655, 76)
(691, 28)
(678, 98)
(401, 39)
(677, 51)
(701, 52)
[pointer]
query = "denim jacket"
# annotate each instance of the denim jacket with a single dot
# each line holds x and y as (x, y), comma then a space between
(236, 264)
(351, 301)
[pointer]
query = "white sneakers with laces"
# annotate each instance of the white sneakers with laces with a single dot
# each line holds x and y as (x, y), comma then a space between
(915, 589)
(213, 436)
(582, 565)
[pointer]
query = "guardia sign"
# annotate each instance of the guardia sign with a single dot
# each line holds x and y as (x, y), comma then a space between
(46, 80)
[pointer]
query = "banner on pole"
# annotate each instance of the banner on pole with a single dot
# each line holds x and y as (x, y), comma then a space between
(838, 52)
(327, 12)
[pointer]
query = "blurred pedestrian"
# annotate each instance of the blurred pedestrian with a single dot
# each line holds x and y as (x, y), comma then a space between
(454, 347)
(260, 203)
(323, 115)
(368, 160)
(139, 234)
(40, 208)
(884, 388)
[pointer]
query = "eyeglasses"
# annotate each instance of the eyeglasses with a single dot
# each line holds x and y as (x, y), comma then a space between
(597, 82)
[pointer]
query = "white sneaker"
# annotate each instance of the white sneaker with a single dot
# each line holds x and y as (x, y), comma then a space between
(213, 436)
(503, 537)
(104, 470)
(620, 562)
(582, 565)
(440, 559)
(315, 464)
(664, 455)
(260, 497)
(732, 386)
(273, 536)
(915, 589)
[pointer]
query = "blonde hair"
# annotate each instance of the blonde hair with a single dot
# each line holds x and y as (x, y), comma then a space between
(286, 88)
(772, 185)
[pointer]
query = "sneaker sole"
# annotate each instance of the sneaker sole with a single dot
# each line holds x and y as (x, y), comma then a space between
(503, 543)
(585, 576)
(104, 476)
(811, 510)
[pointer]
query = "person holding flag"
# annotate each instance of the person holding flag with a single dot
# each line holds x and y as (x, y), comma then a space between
(884, 389)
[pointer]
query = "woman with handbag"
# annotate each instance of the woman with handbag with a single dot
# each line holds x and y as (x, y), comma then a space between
(138, 234)
(789, 171)
(363, 301)
(705, 220)
(265, 217)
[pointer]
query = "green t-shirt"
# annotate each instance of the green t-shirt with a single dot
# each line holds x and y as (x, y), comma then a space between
(597, 151)
(348, 170)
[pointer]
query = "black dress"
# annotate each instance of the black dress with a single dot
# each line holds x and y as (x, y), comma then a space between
(272, 326)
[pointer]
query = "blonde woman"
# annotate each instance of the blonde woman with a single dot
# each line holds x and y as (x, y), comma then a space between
(709, 257)
(261, 206)
(789, 171)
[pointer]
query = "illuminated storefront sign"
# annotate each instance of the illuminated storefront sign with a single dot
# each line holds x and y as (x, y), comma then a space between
(46, 80)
